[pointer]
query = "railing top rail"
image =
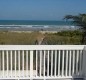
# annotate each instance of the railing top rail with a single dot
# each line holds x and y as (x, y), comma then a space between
(42, 47)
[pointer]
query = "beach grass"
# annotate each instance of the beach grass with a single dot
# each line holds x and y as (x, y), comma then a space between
(29, 38)
(65, 38)
(18, 38)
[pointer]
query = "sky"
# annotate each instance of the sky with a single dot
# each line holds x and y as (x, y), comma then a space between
(40, 9)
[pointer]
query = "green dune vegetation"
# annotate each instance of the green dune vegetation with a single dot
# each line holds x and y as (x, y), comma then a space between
(79, 20)
(65, 37)
(26, 38)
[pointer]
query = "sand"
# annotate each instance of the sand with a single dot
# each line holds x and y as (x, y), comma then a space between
(32, 29)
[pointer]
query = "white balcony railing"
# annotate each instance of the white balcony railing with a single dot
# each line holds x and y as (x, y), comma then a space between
(42, 61)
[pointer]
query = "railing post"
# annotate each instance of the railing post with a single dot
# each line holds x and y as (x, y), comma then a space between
(31, 65)
(84, 63)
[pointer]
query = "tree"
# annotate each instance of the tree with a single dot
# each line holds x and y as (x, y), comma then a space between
(79, 20)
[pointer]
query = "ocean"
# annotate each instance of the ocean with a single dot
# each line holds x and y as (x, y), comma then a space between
(35, 25)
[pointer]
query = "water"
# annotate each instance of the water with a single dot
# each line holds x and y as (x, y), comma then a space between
(32, 22)
(35, 24)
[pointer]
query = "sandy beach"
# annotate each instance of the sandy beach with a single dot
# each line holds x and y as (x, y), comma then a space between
(32, 29)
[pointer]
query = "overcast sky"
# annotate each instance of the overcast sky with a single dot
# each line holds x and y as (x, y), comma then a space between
(40, 9)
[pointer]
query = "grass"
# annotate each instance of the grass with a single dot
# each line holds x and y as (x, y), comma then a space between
(65, 37)
(16, 38)
(26, 38)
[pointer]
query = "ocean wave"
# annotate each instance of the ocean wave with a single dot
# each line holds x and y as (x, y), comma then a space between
(22, 26)
(36, 26)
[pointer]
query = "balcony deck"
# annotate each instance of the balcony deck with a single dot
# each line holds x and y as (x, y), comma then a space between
(47, 62)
